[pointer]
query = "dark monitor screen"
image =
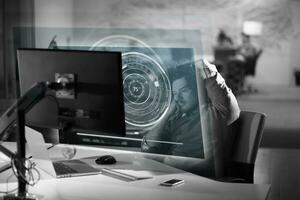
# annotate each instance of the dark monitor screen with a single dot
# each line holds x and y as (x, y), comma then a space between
(95, 105)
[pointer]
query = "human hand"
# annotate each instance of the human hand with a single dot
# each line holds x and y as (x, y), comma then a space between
(206, 69)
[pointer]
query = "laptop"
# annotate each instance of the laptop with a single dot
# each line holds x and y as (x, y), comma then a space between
(57, 169)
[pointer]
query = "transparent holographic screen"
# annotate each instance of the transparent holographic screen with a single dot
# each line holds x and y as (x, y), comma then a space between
(40, 37)
(148, 56)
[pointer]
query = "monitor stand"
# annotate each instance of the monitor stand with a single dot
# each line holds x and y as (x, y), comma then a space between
(66, 133)
(62, 135)
(22, 193)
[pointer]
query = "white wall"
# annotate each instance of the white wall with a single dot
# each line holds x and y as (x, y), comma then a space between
(53, 13)
(295, 45)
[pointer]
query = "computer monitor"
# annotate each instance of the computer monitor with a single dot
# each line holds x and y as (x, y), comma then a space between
(94, 104)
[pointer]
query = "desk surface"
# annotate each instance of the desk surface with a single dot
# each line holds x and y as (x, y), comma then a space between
(102, 186)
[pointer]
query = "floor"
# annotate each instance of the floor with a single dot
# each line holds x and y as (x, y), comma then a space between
(278, 159)
(279, 167)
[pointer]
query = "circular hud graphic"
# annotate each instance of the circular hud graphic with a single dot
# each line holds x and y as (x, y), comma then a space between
(147, 90)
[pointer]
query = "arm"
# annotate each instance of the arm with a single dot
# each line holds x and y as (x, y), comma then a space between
(220, 96)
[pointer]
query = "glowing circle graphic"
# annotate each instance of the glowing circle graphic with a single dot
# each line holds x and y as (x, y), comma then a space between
(147, 90)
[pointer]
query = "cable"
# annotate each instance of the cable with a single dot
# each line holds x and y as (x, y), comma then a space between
(8, 167)
(28, 176)
(53, 145)
(18, 167)
(24, 169)
(8, 191)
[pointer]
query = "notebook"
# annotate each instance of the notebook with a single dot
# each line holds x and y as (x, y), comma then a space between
(58, 169)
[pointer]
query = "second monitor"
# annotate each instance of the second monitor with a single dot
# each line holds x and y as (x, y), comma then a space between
(93, 105)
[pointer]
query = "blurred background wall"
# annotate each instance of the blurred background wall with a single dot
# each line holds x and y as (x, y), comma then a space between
(280, 37)
(278, 162)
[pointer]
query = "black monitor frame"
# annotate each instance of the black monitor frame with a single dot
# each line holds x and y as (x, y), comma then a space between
(95, 105)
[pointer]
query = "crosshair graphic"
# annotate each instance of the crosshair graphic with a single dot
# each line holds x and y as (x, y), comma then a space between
(147, 90)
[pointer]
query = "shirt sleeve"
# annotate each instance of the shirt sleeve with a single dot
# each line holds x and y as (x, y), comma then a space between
(219, 94)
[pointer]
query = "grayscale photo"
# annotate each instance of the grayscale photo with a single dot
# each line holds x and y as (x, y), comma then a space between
(149, 99)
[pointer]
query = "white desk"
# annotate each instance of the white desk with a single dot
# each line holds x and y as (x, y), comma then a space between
(105, 187)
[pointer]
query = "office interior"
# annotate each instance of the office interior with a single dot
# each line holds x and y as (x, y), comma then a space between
(273, 27)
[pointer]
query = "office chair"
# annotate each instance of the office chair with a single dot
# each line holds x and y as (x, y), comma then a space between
(248, 129)
(250, 70)
(222, 55)
(235, 75)
(250, 64)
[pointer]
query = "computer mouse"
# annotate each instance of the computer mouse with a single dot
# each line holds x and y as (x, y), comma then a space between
(106, 160)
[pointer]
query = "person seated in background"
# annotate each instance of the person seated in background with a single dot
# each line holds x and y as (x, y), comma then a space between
(250, 54)
(223, 51)
(247, 49)
(218, 108)
(223, 40)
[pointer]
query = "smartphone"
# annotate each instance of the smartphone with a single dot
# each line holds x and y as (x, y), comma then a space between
(172, 182)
